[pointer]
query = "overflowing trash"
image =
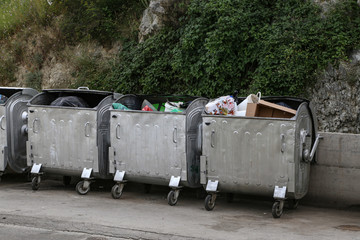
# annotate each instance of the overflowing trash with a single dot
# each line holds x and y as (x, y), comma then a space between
(166, 106)
(173, 107)
(119, 106)
(225, 105)
(147, 106)
(268, 109)
(251, 106)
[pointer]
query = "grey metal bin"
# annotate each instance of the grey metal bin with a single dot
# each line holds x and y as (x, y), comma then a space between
(69, 141)
(260, 155)
(13, 128)
(155, 147)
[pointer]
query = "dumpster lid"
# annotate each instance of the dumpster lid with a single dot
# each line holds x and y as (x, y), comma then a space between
(106, 93)
(92, 97)
(9, 91)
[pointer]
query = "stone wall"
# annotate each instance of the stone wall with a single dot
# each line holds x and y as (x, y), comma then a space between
(159, 14)
(336, 97)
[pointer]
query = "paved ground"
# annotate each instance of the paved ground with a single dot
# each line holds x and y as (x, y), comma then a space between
(58, 212)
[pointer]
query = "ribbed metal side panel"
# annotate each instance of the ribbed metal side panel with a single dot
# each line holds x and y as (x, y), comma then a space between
(63, 138)
(149, 147)
(248, 155)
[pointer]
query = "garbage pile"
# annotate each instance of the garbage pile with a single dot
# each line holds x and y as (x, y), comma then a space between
(251, 106)
(174, 107)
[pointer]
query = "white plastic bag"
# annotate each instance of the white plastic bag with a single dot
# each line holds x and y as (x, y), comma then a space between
(252, 98)
(221, 106)
(173, 107)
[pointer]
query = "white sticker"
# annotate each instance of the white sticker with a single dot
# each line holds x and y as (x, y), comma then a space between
(212, 186)
(279, 192)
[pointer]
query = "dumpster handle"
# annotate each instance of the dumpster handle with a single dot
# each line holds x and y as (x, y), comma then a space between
(118, 131)
(87, 127)
(35, 120)
(1, 122)
(212, 138)
(83, 88)
(175, 135)
(312, 154)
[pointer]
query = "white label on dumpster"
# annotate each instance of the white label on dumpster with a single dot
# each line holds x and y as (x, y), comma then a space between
(36, 168)
(212, 186)
(174, 181)
(119, 176)
(279, 192)
(86, 173)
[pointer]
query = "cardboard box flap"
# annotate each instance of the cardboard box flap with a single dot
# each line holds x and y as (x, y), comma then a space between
(268, 109)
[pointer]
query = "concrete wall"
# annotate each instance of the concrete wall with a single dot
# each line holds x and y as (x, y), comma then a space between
(335, 178)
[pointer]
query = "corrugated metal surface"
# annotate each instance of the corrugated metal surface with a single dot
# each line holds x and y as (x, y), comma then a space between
(253, 155)
(149, 147)
(245, 155)
(63, 138)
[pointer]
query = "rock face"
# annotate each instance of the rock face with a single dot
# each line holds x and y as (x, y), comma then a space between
(336, 97)
(159, 14)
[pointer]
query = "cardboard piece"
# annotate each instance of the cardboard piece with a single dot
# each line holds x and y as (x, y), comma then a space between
(268, 109)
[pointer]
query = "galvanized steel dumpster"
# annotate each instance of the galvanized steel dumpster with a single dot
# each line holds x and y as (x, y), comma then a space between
(258, 155)
(13, 128)
(69, 141)
(156, 147)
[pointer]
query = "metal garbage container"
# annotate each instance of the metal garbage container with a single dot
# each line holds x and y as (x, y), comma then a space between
(69, 135)
(155, 147)
(260, 155)
(13, 128)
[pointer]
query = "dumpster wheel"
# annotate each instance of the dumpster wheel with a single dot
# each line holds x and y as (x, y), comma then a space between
(35, 183)
(80, 188)
(116, 191)
(210, 202)
(171, 198)
(277, 210)
(293, 203)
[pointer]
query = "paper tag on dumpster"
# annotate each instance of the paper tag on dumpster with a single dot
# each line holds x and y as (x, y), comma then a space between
(212, 186)
(279, 192)
(36, 168)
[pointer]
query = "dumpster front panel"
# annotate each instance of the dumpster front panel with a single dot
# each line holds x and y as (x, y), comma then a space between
(63, 138)
(16, 124)
(149, 147)
(303, 144)
(248, 155)
(3, 142)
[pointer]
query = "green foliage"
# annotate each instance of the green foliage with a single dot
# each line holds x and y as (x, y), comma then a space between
(275, 47)
(15, 14)
(145, 68)
(7, 68)
(90, 71)
(34, 79)
(272, 46)
(99, 20)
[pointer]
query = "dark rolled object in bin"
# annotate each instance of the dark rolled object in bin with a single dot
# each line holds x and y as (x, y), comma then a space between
(70, 101)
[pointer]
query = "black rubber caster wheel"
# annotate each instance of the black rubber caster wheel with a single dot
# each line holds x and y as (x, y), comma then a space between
(116, 192)
(80, 188)
(172, 200)
(35, 183)
(276, 210)
(209, 203)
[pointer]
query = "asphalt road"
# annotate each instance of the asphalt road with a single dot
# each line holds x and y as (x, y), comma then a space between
(58, 212)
